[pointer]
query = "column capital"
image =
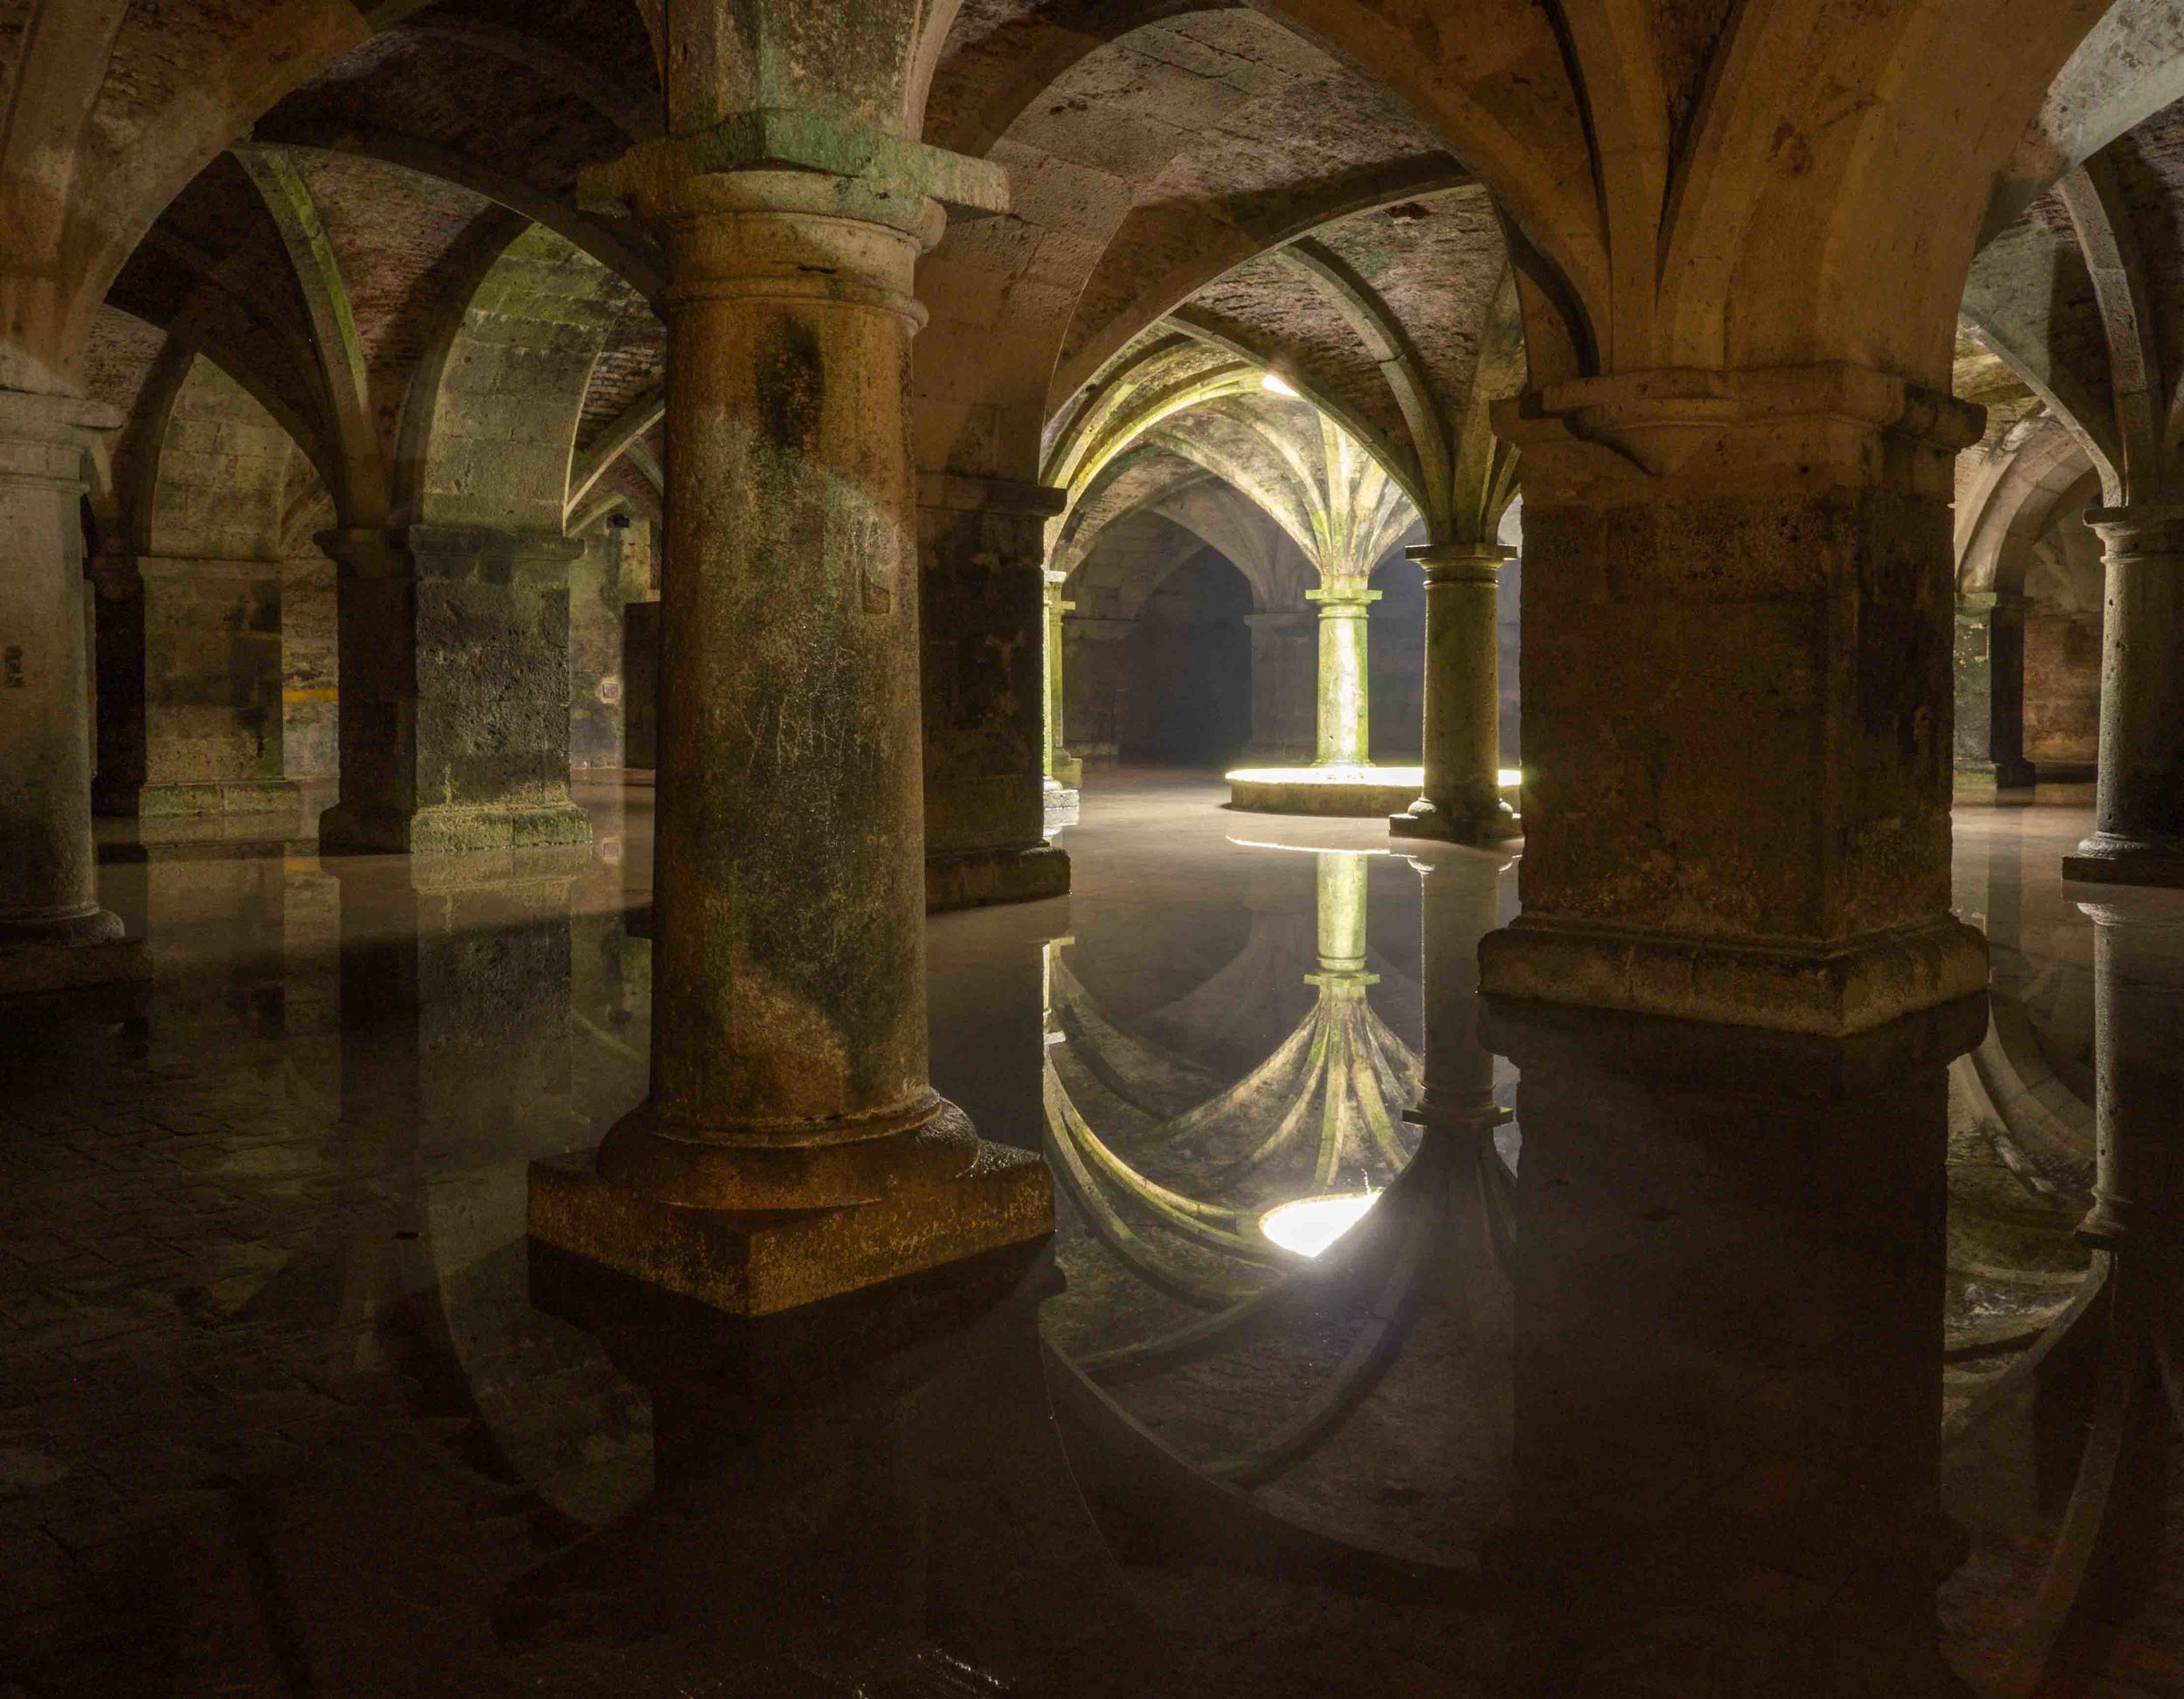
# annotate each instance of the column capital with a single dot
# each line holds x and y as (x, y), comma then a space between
(1806, 425)
(1460, 563)
(1975, 603)
(44, 437)
(964, 492)
(2144, 527)
(1343, 598)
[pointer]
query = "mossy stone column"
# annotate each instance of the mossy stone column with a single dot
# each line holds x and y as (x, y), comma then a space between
(792, 1146)
(2138, 819)
(1344, 700)
(54, 933)
(1462, 799)
(1064, 771)
(1739, 623)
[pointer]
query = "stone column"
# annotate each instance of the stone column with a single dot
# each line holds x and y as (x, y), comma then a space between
(1344, 737)
(1284, 688)
(981, 548)
(1096, 685)
(1737, 667)
(454, 704)
(791, 1148)
(1064, 771)
(1462, 802)
(2138, 819)
(189, 689)
(53, 934)
(1974, 767)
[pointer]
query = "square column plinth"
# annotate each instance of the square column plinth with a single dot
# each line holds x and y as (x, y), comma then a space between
(957, 1196)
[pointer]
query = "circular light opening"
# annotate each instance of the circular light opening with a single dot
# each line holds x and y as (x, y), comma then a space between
(1307, 1225)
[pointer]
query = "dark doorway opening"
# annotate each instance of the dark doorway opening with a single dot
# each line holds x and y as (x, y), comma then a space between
(1188, 668)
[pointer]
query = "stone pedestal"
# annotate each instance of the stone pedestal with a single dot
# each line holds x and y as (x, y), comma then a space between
(1284, 688)
(1462, 801)
(2139, 820)
(982, 620)
(454, 709)
(1344, 727)
(189, 688)
(791, 1148)
(1736, 673)
(53, 934)
(1729, 1268)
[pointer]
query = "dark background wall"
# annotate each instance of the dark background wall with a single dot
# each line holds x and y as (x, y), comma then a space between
(1188, 661)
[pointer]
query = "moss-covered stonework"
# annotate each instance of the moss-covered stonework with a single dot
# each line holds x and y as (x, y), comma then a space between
(1737, 670)
(983, 622)
(614, 570)
(454, 667)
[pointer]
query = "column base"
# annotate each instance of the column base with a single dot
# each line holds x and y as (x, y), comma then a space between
(2104, 858)
(452, 828)
(760, 1262)
(1974, 784)
(187, 798)
(975, 878)
(76, 955)
(1832, 993)
(1425, 819)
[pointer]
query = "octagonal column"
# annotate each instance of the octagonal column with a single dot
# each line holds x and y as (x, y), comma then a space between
(1344, 700)
(2138, 819)
(1739, 625)
(791, 1147)
(1462, 801)
(2138, 998)
(53, 934)
(1063, 771)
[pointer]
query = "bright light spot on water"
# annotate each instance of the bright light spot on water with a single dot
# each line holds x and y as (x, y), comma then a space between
(1310, 1225)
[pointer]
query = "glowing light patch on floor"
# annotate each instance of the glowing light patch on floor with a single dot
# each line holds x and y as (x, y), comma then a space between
(1310, 1225)
(1509, 776)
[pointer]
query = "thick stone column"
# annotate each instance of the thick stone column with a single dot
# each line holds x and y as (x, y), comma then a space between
(454, 704)
(983, 615)
(1462, 801)
(1737, 667)
(1284, 686)
(1990, 697)
(2139, 820)
(1096, 685)
(53, 934)
(1344, 737)
(791, 1148)
(1064, 771)
(189, 688)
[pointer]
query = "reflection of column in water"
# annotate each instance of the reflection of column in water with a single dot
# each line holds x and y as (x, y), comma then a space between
(2138, 1056)
(1728, 1272)
(1460, 903)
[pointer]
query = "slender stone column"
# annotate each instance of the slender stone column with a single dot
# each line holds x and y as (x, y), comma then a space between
(53, 934)
(1064, 771)
(454, 704)
(1344, 726)
(2006, 672)
(982, 549)
(1738, 687)
(792, 1147)
(1462, 796)
(2139, 820)
(190, 678)
(1284, 686)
